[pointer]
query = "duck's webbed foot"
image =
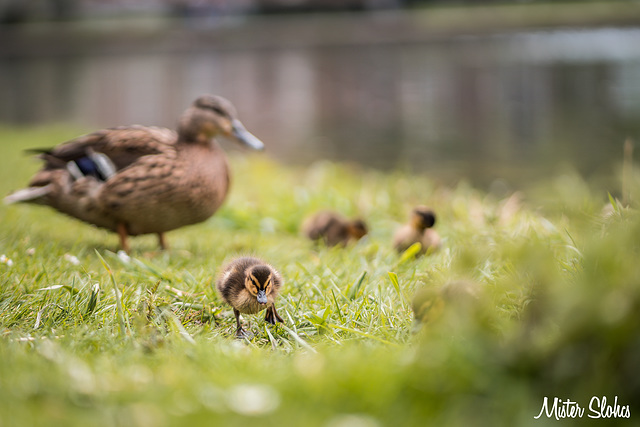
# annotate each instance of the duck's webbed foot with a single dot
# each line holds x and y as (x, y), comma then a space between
(241, 333)
(272, 316)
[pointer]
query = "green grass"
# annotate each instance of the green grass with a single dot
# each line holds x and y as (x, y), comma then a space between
(87, 338)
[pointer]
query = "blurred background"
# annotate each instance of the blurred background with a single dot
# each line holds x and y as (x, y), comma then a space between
(496, 93)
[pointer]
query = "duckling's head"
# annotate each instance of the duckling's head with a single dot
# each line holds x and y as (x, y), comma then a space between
(357, 229)
(210, 116)
(259, 282)
(422, 217)
(455, 298)
(427, 305)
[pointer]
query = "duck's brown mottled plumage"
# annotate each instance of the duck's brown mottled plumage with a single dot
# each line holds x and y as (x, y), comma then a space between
(418, 230)
(161, 179)
(250, 285)
(333, 229)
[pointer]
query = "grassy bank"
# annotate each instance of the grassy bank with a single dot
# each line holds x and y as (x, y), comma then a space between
(554, 270)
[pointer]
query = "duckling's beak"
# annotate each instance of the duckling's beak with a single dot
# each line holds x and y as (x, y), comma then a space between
(262, 296)
(245, 137)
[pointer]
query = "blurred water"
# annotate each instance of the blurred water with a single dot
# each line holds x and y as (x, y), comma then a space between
(511, 107)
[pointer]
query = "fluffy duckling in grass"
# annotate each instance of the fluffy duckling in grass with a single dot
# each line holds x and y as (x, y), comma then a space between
(140, 179)
(333, 229)
(418, 230)
(429, 304)
(250, 285)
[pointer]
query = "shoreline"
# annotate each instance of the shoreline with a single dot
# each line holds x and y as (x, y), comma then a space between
(318, 30)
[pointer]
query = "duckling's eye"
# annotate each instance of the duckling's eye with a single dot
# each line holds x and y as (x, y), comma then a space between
(268, 286)
(255, 283)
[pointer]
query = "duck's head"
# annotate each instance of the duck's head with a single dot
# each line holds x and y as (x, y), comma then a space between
(422, 217)
(259, 282)
(357, 229)
(213, 116)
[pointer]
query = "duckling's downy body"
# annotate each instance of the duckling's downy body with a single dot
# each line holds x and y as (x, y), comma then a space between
(418, 230)
(250, 285)
(428, 303)
(138, 180)
(456, 308)
(333, 229)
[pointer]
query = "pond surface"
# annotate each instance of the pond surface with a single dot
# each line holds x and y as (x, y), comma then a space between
(509, 108)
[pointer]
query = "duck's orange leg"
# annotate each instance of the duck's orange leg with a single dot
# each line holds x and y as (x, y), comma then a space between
(122, 233)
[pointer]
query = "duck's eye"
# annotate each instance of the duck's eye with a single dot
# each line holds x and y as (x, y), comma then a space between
(218, 111)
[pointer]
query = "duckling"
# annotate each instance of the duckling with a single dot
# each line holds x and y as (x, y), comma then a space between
(250, 285)
(333, 228)
(418, 230)
(137, 179)
(429, 304)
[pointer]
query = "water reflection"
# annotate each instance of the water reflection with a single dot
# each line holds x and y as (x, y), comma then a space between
(497, 107)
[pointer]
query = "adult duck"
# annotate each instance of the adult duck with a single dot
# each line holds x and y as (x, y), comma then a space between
(137, 180)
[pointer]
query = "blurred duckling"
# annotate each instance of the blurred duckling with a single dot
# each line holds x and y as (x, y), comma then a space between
(333, 229)
(429, 304)
(141, 179)
(418, 230)
(250, 285)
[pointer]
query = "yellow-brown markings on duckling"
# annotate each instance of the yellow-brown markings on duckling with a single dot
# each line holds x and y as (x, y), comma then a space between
(267, 286)
(258, 285)
(250, 285)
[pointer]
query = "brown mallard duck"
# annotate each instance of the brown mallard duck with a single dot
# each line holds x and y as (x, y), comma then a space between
(333, 229)
(418, 230)
(250, 285)
(138, 180)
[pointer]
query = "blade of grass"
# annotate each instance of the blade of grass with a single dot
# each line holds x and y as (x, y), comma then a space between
(168, 314)
(38, 318)
(364, 334)
(51, 288)
(410, 253)
(271, 338)
(119, 309)
(93, 299)
(627, 171)
(335, 300)
(614, 204)
(355, 288)
(394, 281)
(299, 340)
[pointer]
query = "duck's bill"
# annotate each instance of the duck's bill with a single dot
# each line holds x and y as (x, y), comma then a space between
(245, 137)
(262, 296)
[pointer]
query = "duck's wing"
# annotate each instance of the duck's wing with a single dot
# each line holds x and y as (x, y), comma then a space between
(121, 146)
(97, 156)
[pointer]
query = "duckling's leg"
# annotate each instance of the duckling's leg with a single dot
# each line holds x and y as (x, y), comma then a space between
(240, 333)
(162, 242)
(272, 315)
(122, 233)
